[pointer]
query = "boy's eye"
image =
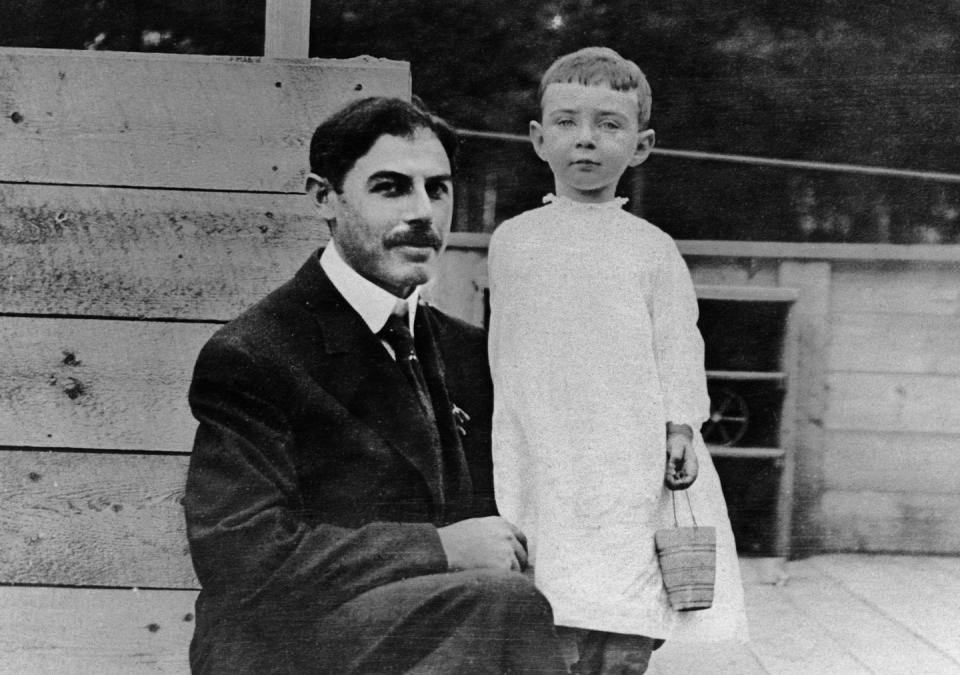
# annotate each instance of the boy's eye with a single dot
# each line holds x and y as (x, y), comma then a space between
(564, 122)
(610, 125)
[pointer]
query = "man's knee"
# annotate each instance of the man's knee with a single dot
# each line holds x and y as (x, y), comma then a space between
(512, 592)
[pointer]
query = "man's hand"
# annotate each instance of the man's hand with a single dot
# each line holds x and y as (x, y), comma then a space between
(484, 543)
(682, 464)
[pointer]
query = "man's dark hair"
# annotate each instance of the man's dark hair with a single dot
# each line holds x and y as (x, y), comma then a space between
(349, 133)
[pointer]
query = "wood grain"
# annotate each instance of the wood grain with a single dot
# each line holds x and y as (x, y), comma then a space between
(893, 402)
(51, 631)
(876, 521)
(70, 518)
(166, 120)
(897, 343)
(889, 461)
(148, 253)
(907, 597)
(896, 288)
(113, 385)
(827, 589)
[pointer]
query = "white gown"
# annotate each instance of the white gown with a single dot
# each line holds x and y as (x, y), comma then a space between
(594, 347)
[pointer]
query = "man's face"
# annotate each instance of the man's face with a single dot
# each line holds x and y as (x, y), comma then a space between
(394, 212)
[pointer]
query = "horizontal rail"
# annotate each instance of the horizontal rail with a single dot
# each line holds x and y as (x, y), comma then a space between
(746, 375)
(937, 176)
(746, 453)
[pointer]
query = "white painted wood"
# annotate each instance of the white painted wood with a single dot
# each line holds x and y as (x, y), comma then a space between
(896, 288)
(922, 463)
(874, 521)
(881, 642)
(287, 29)
(895, 343)
(913, 600)
(893, 402)
(779, 250)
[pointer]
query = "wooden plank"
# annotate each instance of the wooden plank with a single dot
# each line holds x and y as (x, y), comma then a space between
(905, 597)
(746, 453)
(114, 385)
(746, 375)
(881, 643)
(893, 402)
(900, 522)
(888, 461)
(779, 250)
(787, 641)
(895, 343)
(707, 658)
(701, 249)
(148, 253)
(808, 339)
(948, 564)
(171, 120)
(896, 288)
(287, 29)
(746, 293)
(84, 519)
(50, 631)
(732, 271)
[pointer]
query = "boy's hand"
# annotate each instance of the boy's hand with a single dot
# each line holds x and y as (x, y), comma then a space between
(682, 464)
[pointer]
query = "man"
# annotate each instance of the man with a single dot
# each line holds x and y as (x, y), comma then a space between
(339, 500)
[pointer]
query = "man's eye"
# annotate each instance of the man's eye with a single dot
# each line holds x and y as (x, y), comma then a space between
(387, 187)
(438, 190)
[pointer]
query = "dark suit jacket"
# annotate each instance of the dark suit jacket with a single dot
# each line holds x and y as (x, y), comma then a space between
(314, 475)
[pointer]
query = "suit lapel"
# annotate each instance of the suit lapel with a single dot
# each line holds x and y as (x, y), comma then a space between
(354, 368)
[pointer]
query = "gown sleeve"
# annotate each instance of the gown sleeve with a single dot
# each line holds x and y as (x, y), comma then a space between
(678, 344)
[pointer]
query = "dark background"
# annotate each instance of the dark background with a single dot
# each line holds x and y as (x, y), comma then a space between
(820, 80)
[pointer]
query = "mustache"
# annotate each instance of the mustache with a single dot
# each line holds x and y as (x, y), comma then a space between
(419, 238)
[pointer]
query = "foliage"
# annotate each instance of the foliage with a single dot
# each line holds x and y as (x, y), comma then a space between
(821, 80)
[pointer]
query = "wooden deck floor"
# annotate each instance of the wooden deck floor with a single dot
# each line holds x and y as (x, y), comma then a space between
(838, 614)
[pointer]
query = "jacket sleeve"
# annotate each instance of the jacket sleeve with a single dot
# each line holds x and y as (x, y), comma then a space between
(243, 504)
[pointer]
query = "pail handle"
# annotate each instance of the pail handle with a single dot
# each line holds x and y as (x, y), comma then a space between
(673, 493)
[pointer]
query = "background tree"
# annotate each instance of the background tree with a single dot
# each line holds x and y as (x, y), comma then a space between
(819, 80)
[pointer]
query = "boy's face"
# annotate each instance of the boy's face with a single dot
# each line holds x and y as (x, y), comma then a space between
(589, 135)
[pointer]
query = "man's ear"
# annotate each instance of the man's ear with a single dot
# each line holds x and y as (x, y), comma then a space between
(645, 143)
(321, 193)
(536, 137)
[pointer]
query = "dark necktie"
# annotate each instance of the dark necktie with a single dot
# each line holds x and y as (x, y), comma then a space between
(397, 334)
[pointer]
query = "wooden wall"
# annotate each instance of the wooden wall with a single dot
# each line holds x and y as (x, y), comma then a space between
(876, 390)
(144, 200)
(891, 475)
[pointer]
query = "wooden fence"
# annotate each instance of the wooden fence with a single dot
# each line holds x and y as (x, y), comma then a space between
(144, 200)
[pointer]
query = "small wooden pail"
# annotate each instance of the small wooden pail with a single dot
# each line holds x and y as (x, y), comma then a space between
(688, 562)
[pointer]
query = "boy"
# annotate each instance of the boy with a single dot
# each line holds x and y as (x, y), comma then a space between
(599, 383)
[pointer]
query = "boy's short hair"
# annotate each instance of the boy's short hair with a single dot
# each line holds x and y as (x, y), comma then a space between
(349, 133)
(601, 65)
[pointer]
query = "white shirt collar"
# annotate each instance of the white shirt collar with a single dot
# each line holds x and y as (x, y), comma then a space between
(372, 303)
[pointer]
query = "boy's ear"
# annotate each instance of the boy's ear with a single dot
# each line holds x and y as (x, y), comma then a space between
(321, 193)
(536, 137)
(645, 142)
